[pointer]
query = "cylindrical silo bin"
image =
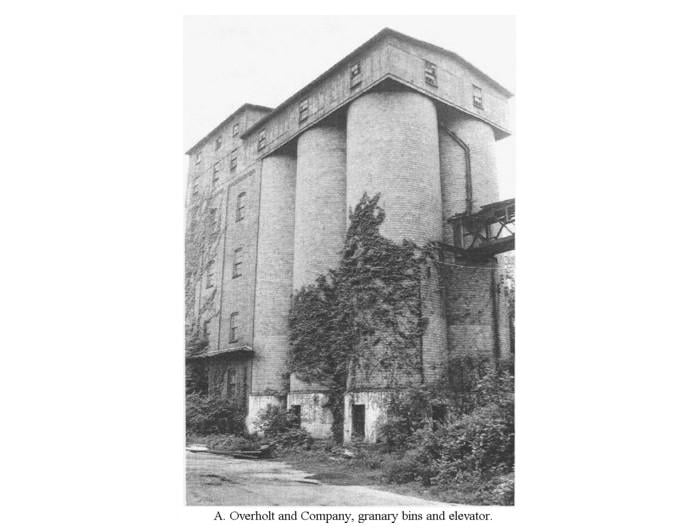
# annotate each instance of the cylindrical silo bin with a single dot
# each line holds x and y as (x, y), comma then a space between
(393, 148)
(320, 225)
(275, 256)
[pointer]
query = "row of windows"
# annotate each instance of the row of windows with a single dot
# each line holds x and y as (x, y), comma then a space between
(219, 142)
(233, 334)
(237, 267)
(355, 74)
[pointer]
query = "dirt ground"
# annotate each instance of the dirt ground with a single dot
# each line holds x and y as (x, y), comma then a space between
(220, 480)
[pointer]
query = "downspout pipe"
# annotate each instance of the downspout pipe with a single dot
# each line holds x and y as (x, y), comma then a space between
(467, 156)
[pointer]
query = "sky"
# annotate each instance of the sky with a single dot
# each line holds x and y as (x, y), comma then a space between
(231, 60)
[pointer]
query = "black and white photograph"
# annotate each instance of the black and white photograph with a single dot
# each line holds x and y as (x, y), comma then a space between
(260, 267)
(349, 261)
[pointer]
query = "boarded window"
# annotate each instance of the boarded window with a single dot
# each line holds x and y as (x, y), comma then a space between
(430, 73)
(236, 129)
(210, 274)
(477, 97)
(303, 111)
(240, 207)
(355, 75)
(217, 169)
(261, 140)
(237, 262)
(234, 160)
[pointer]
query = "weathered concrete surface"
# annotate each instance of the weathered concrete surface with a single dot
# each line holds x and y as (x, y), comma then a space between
(215, 480)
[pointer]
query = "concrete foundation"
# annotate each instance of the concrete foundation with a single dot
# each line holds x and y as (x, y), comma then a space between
(375, 406)
(315, 417)
(257, 404)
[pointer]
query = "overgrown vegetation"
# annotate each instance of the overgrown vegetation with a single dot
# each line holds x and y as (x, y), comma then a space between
(282, 429)
(362, 320)
(213, 414)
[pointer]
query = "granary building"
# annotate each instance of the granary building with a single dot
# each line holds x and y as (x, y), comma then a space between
(398, 116)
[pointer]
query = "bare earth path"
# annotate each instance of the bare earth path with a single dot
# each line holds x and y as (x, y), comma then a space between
(217, 480)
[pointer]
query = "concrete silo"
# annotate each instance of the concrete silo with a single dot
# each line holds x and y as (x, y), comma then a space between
(275, 255)
(319, 235)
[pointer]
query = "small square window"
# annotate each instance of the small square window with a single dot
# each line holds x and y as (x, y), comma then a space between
(355, 75)
(236, 129)
(477, 97)
(303, 111)
(261, 140)
(237, 262)
(219, 143)
(430, 73)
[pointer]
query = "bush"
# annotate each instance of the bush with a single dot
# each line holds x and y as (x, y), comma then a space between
(224, 442)
(407, 412)
(281, 428)
(214, 414)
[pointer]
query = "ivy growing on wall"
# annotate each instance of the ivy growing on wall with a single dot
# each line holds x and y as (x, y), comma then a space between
(363, 320)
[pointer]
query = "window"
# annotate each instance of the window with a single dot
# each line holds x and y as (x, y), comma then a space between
(295, 411)
(217, 168)
(261, 140)
(213, 220)
(477, 97)
(236, 129)
(205, 329)
(303, 110)
(197, 157)
(237, 262)
(210, 274)
(195, 188)
(232, 376)
(219, 143)
(233, 336)
(234, 160)
(240, 207)
(430, 73)
(355, 75)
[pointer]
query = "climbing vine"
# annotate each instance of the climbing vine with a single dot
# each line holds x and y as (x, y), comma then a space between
(363, 320)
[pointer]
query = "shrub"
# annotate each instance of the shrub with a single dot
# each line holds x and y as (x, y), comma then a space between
(214, 414)
(281, 428)
(406, 413)
(411, 466)
(224, 442)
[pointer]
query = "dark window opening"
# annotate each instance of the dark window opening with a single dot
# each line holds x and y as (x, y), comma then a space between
(430, 73)
(234, 162)
(240, 207)
(303, 111)
(355, 75)
(237, 262)
(477, 97)
(233, 335)
(358, 422)
(236, 129)
(261, 140)
(295, 412)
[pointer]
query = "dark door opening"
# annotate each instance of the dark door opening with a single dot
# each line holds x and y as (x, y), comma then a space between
(357, 422)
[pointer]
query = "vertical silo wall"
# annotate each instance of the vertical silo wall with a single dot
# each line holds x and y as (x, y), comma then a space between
(273, 286)
(319, 233)
(393, 149)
